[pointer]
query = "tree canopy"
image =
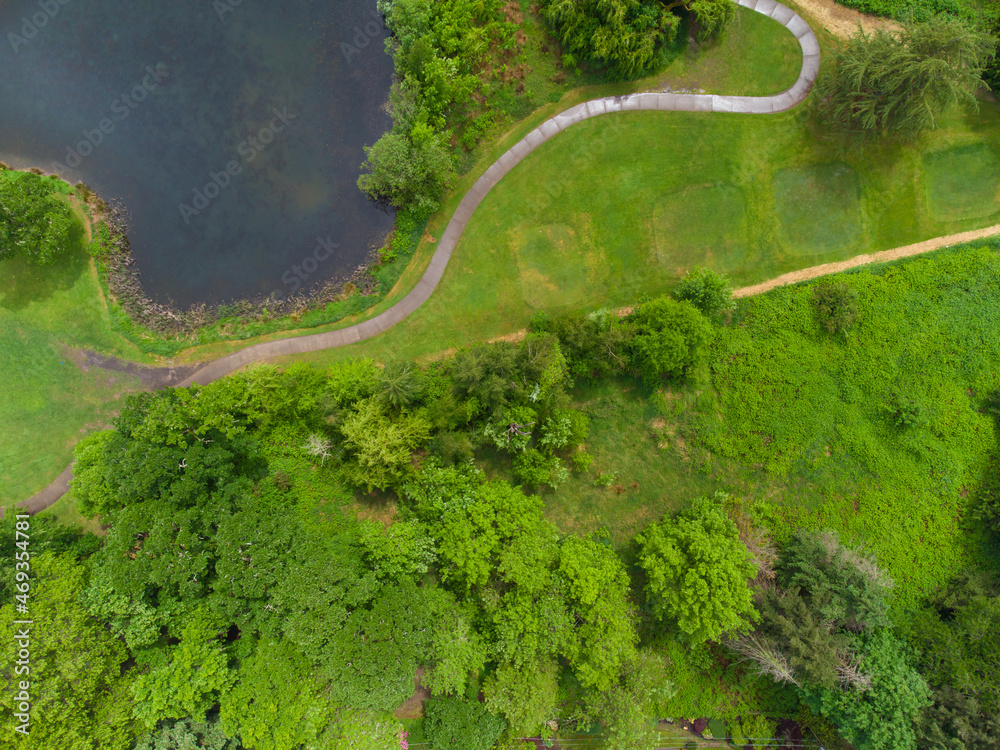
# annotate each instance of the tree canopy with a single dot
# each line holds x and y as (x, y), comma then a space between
(899, 82)
(35, 223)
(698, 571)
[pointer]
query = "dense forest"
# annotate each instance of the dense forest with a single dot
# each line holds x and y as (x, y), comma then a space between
(287, 551)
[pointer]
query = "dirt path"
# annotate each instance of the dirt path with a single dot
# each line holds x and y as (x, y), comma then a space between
(861, 260)
(841, 21)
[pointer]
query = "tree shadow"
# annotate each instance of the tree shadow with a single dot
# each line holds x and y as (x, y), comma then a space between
(23, 283)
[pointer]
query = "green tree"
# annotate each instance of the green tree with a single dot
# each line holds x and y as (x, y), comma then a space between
(34, 221)
(380, 448)
(459, 651)
(901, 81)
(623, 34)
(880, 714)
(79, 698)
(706, 289)
(698, 571)
(795, 644)
(713, 16)
(525, 696)
(457, 722)
(401, 385)
(279, 701)
(408, 171)
(598, 598)
(188, 735)
(472, 535)
(193, 678)
(957, 637)
(626, 708)
(845, 588)
(670, 338)
(367, 730)
(372, 659)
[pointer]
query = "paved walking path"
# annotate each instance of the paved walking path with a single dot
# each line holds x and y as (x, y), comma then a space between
(547, 130)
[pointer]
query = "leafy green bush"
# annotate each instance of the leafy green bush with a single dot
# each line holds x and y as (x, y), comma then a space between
(670, 339)
(706, 289)
(34, 222)
(408, 171)
(457, 722)
(836, 304)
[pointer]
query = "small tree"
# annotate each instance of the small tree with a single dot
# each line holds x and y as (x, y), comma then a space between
(880, 715)
(901, 81)
(670, 338)
(408, 171)
(836, 305)
(34, 222)
(707, 290)
(698, 571)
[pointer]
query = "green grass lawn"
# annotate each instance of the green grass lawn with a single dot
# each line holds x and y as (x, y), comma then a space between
(619, 207)
(48, 401)
(643, 478)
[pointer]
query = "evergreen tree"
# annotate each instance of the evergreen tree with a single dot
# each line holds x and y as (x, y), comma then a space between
(900, 82)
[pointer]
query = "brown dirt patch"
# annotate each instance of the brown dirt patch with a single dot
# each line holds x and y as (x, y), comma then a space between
(413, 707)
(512, 11)
(152, 378)
(840, 21)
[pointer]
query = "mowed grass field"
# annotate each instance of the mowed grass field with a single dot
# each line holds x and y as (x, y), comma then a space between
(619, 207)
(48, 401)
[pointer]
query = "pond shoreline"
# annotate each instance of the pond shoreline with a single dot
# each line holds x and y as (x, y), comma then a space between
(121, 279)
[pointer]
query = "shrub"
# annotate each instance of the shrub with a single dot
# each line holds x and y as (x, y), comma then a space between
(707, 290)
(670, 339)
(408, 171)
(836, 305)
(533, 468)
(34, 222)
(581, 461)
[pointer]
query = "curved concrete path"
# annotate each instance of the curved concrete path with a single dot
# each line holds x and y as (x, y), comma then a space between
(544, 132)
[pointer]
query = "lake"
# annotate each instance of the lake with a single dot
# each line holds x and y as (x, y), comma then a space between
(232, 131)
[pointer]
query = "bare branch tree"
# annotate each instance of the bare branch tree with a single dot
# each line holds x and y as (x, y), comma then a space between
(318, 446)
(769, 660)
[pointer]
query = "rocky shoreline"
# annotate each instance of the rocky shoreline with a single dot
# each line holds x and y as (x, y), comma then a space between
(123, 280)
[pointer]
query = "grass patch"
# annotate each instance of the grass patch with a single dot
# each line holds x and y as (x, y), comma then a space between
(47, 314)
(963, 182)
(707, 222)
(646, 473)
(819, 209)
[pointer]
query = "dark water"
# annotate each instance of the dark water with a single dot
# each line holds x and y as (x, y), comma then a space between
(261, 105)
